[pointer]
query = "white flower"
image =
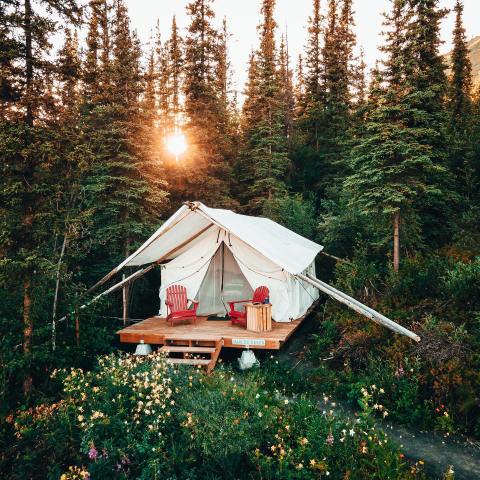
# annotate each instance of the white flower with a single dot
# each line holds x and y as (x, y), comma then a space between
(351, 432)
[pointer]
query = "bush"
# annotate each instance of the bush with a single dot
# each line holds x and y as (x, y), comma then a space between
(463, 284)
(141, 418)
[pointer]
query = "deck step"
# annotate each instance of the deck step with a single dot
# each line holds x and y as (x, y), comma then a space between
(186, 349)
(189, 361)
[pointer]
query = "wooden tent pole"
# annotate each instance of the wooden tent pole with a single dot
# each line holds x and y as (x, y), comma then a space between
(109, 275)
(125, 292)
(357, 306)
(133, 276)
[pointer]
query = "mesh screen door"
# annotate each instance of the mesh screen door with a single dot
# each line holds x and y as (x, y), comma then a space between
(223, 281)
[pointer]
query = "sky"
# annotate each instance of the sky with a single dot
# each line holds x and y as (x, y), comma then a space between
(243, 17)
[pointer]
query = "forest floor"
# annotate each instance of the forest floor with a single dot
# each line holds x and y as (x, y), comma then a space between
(436, 450)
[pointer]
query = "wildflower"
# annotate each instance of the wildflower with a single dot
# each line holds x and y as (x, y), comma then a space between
(313, 462)
(93, 453)
(303, 441)
(445, 413)
(385, 413)
(260, 414)
(351, 432)
(299, 466)
(330, 439)
(382, 390)
(257, 395)
(374, 387)
(286, 401)
(80, 418)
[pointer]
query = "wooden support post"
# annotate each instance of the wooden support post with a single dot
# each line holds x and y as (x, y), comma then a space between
(125, 292)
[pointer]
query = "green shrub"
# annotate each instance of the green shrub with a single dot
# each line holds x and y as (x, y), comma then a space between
(136, 417)
(462, 284)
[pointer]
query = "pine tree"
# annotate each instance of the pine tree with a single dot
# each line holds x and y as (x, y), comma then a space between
(26, 155)
(460, 99)
(314, 66)
(287, 98)
(204, 169)
(123, 191)
(265, 142)
(393, 167)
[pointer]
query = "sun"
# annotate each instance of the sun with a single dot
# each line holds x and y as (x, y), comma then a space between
(176, 144)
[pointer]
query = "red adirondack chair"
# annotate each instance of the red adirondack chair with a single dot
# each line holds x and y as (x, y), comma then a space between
(177, 305)
(240, 318)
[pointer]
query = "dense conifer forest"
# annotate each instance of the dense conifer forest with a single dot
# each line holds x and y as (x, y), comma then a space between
(382, 167)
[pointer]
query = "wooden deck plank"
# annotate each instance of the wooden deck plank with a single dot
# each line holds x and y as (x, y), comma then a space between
(155, 330)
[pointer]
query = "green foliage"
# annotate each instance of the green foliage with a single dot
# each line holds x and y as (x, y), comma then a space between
(136, 417)
(463, 284)
(293, 212)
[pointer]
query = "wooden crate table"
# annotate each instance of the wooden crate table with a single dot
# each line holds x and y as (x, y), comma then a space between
(259, 317)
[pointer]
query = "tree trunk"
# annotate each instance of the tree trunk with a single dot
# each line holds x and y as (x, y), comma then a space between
(55, 297)
(125, 290)
(28, 63)
(27, 333)
(396, 241)
(27, 205)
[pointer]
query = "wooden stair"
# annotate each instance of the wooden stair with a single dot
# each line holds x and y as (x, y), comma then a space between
(198, 352)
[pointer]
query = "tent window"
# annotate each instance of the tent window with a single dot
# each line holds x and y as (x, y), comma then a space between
(223, 280)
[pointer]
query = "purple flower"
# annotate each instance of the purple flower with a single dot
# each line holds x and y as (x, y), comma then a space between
(330, 439)
(93, 453)
(400, 372)
(104, 453)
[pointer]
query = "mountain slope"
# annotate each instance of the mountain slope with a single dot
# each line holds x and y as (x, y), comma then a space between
(474, 47)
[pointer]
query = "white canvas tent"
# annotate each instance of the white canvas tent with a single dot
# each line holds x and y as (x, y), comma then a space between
(219, 255)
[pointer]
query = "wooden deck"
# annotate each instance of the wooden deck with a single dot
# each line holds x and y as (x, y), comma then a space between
(156, 331)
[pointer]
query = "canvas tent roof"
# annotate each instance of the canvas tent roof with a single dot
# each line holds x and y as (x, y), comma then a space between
(191, 223)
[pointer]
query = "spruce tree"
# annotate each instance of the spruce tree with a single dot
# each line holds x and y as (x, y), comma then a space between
(392, 165)
(204, 170)
(123, 191)
(460, 99)
(27, 157)
(265, 142)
